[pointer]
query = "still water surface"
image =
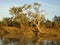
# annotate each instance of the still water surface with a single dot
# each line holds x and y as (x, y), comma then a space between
(45, 42)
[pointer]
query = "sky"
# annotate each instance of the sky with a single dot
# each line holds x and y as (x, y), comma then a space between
(52, 7)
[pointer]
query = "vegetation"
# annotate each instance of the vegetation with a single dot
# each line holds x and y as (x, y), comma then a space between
(27, 25)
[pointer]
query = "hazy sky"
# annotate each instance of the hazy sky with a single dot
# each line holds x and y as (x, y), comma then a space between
(51, 6)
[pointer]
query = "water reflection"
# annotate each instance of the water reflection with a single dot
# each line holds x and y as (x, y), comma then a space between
(44, 42)
(1, 42)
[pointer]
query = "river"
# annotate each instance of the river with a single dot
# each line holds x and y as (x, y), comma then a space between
(45, 42)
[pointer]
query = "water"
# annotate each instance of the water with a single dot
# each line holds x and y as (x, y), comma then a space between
(1, 42)
(45, 42)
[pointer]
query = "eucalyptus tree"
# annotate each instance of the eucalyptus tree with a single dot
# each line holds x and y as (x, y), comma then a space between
(29, 13)
(35, 17)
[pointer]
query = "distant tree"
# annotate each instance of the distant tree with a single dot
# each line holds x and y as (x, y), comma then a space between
(56, 21)
(5, 21)
(48, 24)
(56, 18)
